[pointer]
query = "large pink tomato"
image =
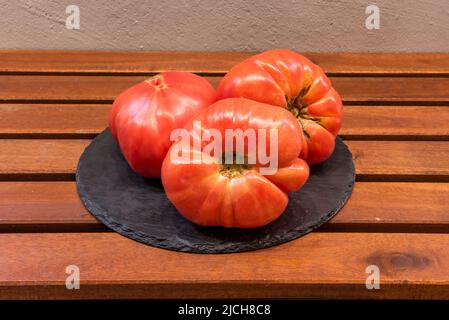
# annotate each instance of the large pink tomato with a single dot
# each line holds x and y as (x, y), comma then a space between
(209, 190)
(289, 80)
(143, 117)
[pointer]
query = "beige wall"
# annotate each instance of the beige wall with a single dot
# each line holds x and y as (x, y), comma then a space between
(249, 25)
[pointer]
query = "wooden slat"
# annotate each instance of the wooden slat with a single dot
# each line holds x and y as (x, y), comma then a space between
(391, 160)
(117, 62)
(345, 63)
(360, 122)
(212, 62)
(106, 88)
(317, 265)
(50, 158)
(392, 89)
(395, 207)
(392, 122)
(64, 88)
(43, 207)
(373, 206)
(72, 120)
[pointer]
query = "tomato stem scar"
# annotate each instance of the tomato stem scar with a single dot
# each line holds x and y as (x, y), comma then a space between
(234, 169)
(157, 81)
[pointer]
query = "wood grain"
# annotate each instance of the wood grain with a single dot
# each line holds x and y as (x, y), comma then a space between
(39, 88)
(393, 90)
(318, 265)
(360, 122)
(393, 122)
(18, 61)
(108, 62)
(51, 158)
(49, 120)
(395, 207)
(43, 207)
(373, 206)
(415, 160)
(384, 160)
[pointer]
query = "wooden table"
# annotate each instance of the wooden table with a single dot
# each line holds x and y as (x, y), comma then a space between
(396, 125)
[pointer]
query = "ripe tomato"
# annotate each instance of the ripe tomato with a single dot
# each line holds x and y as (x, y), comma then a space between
(212, 192)
(143, 116)
(287, 79)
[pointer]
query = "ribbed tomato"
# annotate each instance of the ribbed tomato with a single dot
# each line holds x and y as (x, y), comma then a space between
(212, 192)
(143, 116)
(287, 79)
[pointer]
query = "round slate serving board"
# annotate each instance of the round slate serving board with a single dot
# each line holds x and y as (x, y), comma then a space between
(138, 208)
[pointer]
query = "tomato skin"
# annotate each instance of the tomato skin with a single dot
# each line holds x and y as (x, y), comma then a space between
(143, 116)
(206, 196)
(287, 79)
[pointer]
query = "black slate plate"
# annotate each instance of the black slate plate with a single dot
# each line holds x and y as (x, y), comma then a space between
(138, 208)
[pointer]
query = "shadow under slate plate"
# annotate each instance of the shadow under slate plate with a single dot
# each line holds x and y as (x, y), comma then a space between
(138, 208)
